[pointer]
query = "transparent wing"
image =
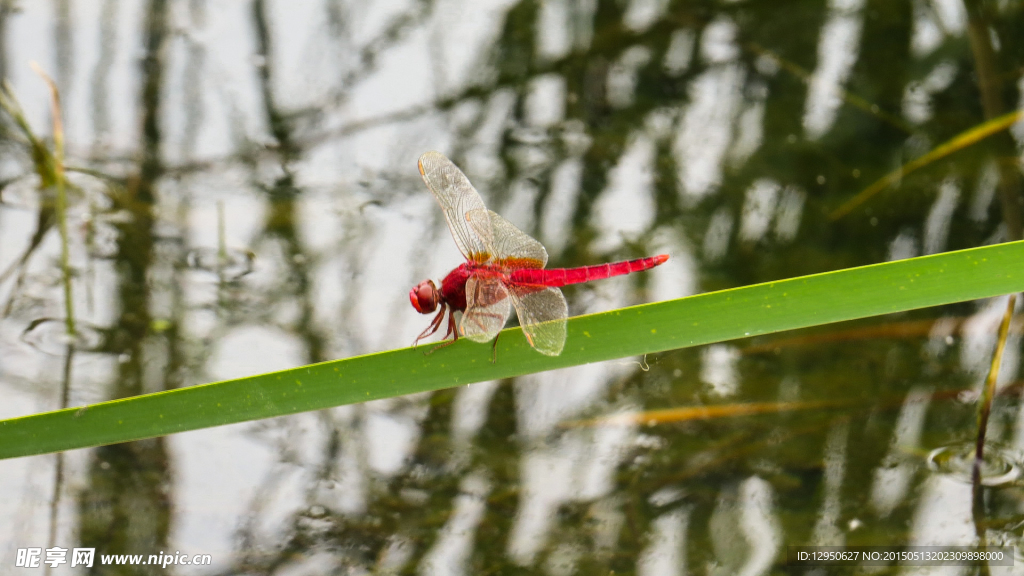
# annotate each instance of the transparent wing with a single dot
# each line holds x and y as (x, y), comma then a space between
(458, 199)
(487, 308)
(509, 245)
(542, 312)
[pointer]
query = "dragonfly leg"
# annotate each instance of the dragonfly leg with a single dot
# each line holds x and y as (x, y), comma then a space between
(450, 332)
(494, 345)
(494, 349)
(434, 325)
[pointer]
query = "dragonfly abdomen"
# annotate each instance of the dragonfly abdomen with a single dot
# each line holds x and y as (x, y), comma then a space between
(557, 277)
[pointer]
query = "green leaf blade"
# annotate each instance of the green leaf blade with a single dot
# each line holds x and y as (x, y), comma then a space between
(696, 320)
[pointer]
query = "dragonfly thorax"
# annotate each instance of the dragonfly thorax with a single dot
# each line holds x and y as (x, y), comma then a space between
(453, 286)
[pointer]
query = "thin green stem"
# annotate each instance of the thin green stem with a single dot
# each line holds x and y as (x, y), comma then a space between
(989, 392)
(57, 172)
(62, 200)
(984, 410)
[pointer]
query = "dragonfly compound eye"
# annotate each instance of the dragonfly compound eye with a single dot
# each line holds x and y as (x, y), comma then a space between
(424, 297)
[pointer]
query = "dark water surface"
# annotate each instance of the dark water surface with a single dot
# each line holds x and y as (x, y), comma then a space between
(722, 133)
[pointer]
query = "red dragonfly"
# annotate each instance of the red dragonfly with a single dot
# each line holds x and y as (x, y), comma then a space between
(504, 268)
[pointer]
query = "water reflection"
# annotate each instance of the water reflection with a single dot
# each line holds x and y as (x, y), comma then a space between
(244, 198)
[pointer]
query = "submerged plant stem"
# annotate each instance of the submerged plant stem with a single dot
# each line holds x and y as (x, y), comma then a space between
(984, 410)
(989, 392)
(62, 200)
(69, 309)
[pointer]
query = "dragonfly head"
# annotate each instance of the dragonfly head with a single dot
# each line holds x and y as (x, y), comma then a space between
(425, 297)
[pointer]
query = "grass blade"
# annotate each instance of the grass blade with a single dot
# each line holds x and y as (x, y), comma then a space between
(702, 319)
